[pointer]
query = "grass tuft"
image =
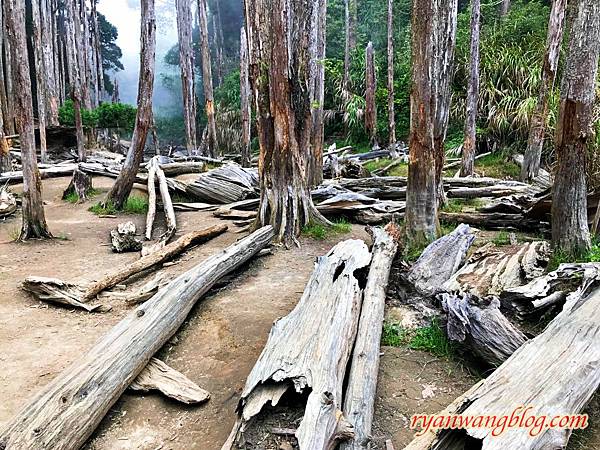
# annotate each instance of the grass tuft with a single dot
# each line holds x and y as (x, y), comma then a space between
(496, 165)
(321, 232)
(431, 339)
(72, 196)
(133, 205)
(502, 238)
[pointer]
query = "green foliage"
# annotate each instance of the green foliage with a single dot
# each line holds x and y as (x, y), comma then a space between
(321, 232)
(133, 205)
(431, 338)
(559, 256)
(111, 53)
(456, 205)
(502, 238)
(396, 171)
(228, 94)
(72, 196)
(107, 115)
(497, 165)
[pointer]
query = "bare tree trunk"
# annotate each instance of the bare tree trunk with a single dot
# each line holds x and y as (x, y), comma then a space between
(350, 10)
(315, 161)
(116, 98)
(469, 145)
(574, 131)
(207, 79)
(245, 98)
(34, 220)
(81, 35)
(98, 54)
(73, 68)
(186, 63)
(371, 85)
(390, 78)
(533, 155)
(433, 37)
(219, 41)
(48, 50)
(3, 99)
(276, 28)
(9, 118)
(41, 74)
(122, 187)
(504, 7)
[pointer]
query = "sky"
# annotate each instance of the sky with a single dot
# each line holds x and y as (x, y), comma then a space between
(125, 16)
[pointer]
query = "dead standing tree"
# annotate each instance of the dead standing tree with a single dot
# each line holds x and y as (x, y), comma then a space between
(371, 107)
(390, 80)
(34, 220)
(245, 98)
(40, 74)
(533, 155)
(350, 13)
(469, 145)
(433, 38)
(207, 80)
(186, 63)
(280, 76)
(122, 187)
(574, 130)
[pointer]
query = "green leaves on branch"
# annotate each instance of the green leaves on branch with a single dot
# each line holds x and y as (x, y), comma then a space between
(107, 115)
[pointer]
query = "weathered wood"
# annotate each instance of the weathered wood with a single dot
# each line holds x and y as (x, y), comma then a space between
(390, 79)
(359, 403)
(440, 260)
(371, 107)
(207, 80)
(479, 324)
(157, 376)
(493, 220)
(555, 373)
(491, 270)
(8, 203)
(54, 290)
(59, 170)
(245, 99)
(123, 238)
(66, 412)
(308, 350)
(80, 184)
(226, 184)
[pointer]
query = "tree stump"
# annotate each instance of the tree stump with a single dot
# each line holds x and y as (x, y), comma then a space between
(123, 238)
(81, 185)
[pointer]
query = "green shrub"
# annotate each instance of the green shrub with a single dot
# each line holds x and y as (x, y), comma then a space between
(431, 338)
(321, 232)
(133, 205)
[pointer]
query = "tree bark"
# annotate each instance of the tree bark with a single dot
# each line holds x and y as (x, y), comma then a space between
(207, 80)
(10, 117)
(279, 74)
(34, 220)
(533, 155)
(371, 86)
(469, 144)
(433, 38)
(48, 50)
(41, 75)
(66, 412)
(3, 61)
(122, 187)
(504, 7)
(186, 64)
(246, 111)
(390, 78)
(219, 41)
(350, 13)
(574, 131)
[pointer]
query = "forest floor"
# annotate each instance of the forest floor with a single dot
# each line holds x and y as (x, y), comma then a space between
(216, 347)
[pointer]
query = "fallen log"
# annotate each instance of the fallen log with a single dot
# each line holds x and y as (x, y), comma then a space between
(54, 171)
(458, 162)
(359, 403)
(556, 373)
(308, 350)
(440, 260)
(479, 324)
(194, 206)
(171, 221)
(66, 412)
(493, 220)
(54, 290)
(172, 169)
(226, 184)
(8, 203)
(492, 270)
(157, 376)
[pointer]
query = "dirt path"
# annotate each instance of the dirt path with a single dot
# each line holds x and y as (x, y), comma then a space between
(216, 347)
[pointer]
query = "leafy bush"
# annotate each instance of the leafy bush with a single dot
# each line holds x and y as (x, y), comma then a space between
(107, 115)
(66, 116)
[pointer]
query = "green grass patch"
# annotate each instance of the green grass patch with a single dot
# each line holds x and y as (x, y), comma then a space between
(497, 165)
(502, 238)
(400, 170)
(72, 196)
(321, 232)
(456, 205)
(559, 256)
(431, 338)
(133, 205)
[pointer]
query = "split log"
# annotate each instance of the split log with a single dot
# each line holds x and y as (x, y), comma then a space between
(150, 215)
(172, 169)
(556, 373)
(440, 260)
(58, 291)
(493, 220)
(123, 238)
(227, 184)
(157, 376)
(479, 324)
(80, 184)
(167, 206)
(362, 381)
(53, 171)
(542, 293)
(185, 206)
(308, 350)
(491, 270)
(8, 203)
(66, 412)
(140, 295)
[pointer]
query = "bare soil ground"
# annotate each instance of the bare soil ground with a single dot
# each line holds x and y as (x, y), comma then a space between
(216, 347)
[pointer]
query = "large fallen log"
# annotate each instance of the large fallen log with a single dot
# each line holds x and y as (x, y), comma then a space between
(69, 408)
(57, 291)
(308, 351)
(479, 324)
(491, 270)
(554, 374)
(493, 220)
(440, 260)
(59, 170)
(226, 184)
(359, 401)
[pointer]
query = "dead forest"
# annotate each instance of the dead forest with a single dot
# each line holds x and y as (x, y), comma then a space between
(371, 215)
